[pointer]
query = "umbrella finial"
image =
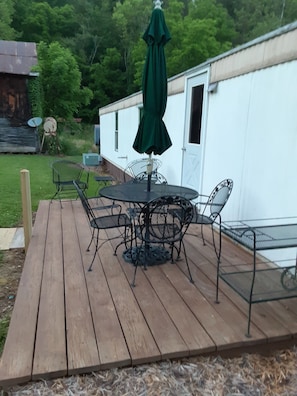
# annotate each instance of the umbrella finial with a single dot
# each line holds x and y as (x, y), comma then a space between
(158, 3)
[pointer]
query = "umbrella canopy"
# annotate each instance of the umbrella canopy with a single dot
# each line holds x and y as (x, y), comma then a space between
(152, 135)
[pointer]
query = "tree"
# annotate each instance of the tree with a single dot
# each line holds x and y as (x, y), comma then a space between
(106, 81)
(6, 11)
(131, 19)
(61, 81)
(44, 23)
(205, 32)
(96, 30)
(254, 18)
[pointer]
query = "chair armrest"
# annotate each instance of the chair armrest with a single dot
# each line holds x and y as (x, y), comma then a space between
(111, 206)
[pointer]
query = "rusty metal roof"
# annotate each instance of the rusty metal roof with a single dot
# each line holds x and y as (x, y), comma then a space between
(17, 57)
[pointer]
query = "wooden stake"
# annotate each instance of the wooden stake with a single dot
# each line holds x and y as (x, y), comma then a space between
(26, 205)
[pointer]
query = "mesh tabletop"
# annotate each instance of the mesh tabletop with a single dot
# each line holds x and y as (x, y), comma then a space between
(262, 237)
(137, 192)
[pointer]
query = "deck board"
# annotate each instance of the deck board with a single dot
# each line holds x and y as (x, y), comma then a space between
(164, 331)
(192, 331)
(82, 348)
(110, 339)
(67, 320)
(17, 357)
(140, 341)
(50, 334)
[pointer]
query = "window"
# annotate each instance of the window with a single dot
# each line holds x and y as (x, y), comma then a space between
(196, 114)
(116, 132)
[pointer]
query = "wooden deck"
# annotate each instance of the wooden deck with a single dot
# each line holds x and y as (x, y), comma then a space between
(67, 320)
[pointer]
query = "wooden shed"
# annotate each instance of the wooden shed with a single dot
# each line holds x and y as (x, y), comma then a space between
(16, 62)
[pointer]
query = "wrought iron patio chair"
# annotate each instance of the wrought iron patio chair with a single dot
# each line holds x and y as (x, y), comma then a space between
(208, 212)
(157, 224)
(63, 173)
(115, 220)
(156, 178)
(137, 170)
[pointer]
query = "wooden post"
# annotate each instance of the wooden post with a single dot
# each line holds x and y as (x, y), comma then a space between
(27, 207)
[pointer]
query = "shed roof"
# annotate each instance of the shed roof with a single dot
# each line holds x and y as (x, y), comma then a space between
(17, 57)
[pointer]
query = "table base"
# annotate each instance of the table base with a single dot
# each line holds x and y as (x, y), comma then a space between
(149, 256)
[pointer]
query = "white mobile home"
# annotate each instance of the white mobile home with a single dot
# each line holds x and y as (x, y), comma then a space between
(234, 116)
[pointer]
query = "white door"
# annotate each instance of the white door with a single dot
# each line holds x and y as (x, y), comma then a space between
(196, 100)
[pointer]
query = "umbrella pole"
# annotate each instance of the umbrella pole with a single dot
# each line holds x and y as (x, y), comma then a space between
(149, 172)
(149, 182)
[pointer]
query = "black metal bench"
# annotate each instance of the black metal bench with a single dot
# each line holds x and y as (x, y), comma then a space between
(262, 280)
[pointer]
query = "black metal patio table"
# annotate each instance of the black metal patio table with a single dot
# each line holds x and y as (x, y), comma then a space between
(137, 193)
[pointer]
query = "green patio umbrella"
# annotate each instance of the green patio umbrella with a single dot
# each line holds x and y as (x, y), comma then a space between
(152, 136)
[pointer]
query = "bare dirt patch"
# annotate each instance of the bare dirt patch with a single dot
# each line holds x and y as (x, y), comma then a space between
(10, 272)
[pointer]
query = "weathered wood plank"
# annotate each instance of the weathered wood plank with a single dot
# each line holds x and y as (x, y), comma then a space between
(141, 344)
(219, 330)
(194, 335)
(50, 335)
(170, 342)
(109, 324)
(111, 342)
(17, 358)
(82, 349)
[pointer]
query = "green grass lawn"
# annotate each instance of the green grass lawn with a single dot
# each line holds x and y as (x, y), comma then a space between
(41, 184)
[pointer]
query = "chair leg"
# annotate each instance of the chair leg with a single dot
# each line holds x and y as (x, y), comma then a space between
(248, 334)
(134, 276)
(217, 285)
(219, 250)
(57, 193)
(218, 254)
(135, 268)
(202, 235)
(54, 196)
(186, 258)
(124, 241)
(92, 237)
(96, 249)
(137, 256)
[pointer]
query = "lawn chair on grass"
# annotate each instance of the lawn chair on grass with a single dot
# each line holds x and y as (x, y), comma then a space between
(64, 172)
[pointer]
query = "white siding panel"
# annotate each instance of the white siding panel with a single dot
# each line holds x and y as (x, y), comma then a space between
(128, 121)
(252, 138)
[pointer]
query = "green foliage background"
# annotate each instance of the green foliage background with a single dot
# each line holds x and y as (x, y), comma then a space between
(91, 52)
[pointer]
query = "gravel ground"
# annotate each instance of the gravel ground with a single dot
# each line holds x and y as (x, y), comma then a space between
(248, 375)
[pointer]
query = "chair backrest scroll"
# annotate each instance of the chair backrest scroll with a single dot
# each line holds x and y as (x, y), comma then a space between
(219, 197)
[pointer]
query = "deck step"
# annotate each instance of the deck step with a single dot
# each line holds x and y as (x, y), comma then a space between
(11, 238)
